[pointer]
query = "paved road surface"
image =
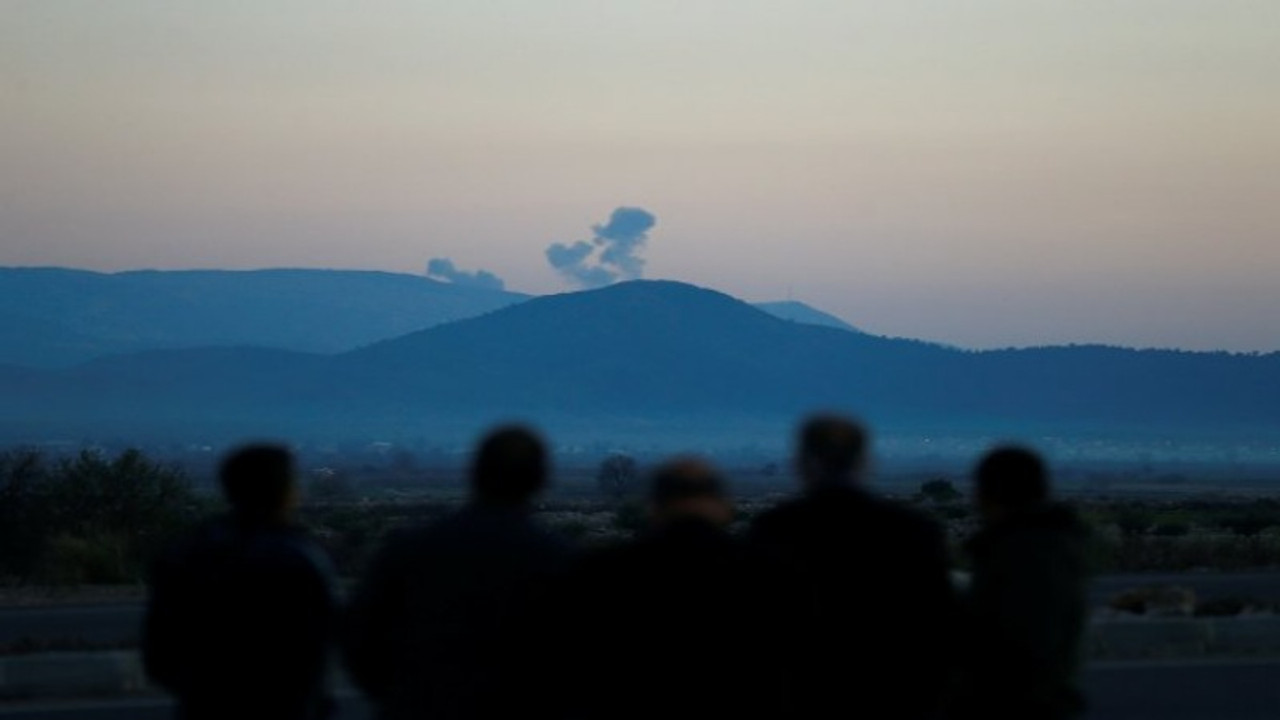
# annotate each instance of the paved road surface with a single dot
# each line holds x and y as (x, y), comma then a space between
(349, 708)
(1204, 690)
(1187, 690)
(118, 624)
(1207, 585)
(115, 624)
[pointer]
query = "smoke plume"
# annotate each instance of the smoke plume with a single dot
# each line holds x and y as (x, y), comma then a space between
(444, 269)
(610, 255)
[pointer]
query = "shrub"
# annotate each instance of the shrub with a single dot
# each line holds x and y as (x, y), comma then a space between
(1249, 521)
(630, 518)
(1173, 528)
(617, 476)
(105, 559)
(23, 510)
(939, 491)
(88, 518)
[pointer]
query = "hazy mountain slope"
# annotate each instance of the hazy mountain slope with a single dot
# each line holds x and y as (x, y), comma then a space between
(653, 346)
(797, 311)
(658, 352)
(1156, 387)
(55, 316)
(58, 316)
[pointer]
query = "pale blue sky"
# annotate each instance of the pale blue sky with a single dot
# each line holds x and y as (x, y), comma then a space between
(981, 173)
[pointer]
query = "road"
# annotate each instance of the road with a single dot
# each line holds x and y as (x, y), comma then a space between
(1184, 690)
(105, 625)
(1207, 585)
(1198, 690)
(117, 624)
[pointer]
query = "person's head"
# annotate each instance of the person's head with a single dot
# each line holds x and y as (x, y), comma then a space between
(1009, 480)
(510, 467)
(259, 481)
(831, 451)
(686, 488)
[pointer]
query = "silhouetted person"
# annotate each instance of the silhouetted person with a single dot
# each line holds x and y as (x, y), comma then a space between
(879, 609)
(444, 608)
(684, 622)
(1027, 600)
(242, 613)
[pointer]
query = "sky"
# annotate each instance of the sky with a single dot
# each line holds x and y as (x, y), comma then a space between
(984, 173)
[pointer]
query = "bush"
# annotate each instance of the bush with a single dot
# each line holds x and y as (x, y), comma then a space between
(88, 518)
(630, 518)
(1249, 521)
(1220, 551)
(23, 507)
(1232, 606)
(71, 560)
(939, 491)
(1171, 524)
(1132, 520)
(617, 476)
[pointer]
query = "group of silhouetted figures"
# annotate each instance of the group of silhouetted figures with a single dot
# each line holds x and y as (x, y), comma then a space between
(836, 603)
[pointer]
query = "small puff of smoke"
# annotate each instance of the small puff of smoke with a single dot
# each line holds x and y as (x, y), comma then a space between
(617, 242)
(444, 269)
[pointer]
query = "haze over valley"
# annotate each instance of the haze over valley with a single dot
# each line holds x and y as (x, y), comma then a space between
(200, 355)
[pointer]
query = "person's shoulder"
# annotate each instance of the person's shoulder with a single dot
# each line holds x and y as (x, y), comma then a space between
(475, 529)
(306, 549)
(1048, 519)
(291, 549)
(1064, 517)
(196, 546)
(468, 523)
(814, 514)
(424, 536)
(522, 529)
(904, 515)
(785, 514)
(910, 524)
(1054, 525)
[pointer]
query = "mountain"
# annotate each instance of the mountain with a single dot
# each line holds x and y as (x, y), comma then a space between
(661, 348)
(796, 311)
(58, 317)
(656, 357)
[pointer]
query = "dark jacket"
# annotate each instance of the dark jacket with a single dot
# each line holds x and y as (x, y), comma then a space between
(880, 611)
(685, 622)
(240, 622)
(443, 608)
(1027, 608)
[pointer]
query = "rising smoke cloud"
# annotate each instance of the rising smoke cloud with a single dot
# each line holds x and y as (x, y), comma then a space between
(444, 269)
(611, 255)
